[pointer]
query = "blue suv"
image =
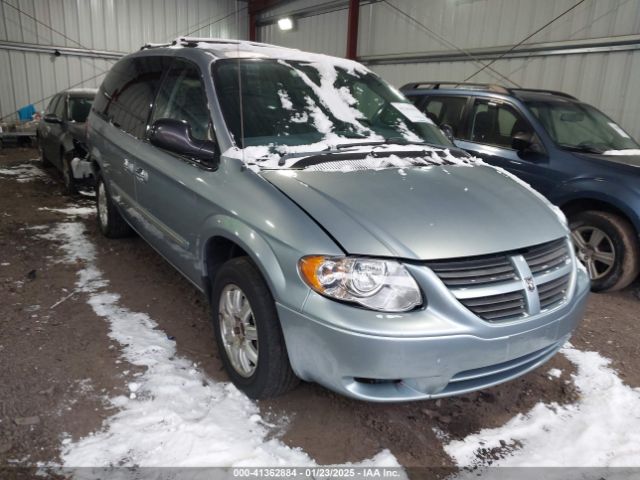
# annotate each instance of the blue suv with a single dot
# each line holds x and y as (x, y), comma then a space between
(575, 155)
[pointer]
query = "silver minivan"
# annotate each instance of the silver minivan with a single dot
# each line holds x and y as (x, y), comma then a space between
(338, 234)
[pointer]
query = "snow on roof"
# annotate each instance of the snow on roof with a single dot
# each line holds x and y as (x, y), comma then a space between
(226, 48)
(91, 91)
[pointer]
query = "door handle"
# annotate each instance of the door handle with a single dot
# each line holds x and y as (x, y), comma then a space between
(141, 174)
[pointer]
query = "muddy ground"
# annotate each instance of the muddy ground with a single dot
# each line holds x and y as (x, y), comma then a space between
(57, 364)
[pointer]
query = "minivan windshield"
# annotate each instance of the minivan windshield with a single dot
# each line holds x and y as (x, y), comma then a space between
(293, 103)
(580, 127)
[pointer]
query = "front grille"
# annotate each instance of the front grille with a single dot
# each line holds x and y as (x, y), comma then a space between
(554, 292)
(478, 271)
(497, 307)
(547, 256)
(510, 285)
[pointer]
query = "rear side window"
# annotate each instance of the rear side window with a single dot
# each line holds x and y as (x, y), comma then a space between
(182, 97)
(127, 93)
(446, 111)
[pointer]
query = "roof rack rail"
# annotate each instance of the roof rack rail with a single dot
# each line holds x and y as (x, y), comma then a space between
(154, 45)
(541, 90)
(439, 84)
(484, 86)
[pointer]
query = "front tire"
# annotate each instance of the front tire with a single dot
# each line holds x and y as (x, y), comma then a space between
(111, 223)
(608, 246)
(248, 332)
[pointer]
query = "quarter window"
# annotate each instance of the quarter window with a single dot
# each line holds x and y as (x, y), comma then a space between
(182, 97)
(496, 123)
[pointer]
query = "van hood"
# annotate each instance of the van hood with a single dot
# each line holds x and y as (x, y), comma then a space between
(422, 213)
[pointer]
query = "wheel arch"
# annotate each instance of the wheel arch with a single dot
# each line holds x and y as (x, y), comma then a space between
(233, 238)
(581, 204)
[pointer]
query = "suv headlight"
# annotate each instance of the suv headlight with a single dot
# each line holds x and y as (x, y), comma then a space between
(383, 285)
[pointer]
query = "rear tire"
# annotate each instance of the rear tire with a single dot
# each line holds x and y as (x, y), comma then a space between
(269, 373)
(608, 246)
(111, 223)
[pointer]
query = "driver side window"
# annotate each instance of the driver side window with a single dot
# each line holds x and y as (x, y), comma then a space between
(182, 97)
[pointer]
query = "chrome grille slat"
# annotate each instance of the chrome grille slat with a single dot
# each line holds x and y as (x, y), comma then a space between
(491, 287)
(506, 297)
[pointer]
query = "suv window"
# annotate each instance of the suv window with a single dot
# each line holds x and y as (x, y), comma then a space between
(79, 108)
(496, 123)
(446, 111)
(182, 97)
(127, 92)
(60, 107)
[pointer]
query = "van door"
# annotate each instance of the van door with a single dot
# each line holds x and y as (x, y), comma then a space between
(124, 102)
(491, 126)
(165, 181)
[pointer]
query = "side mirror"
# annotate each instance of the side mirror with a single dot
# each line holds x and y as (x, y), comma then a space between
(52, 118)
(175, 136)
(448, 131)
(526, 142)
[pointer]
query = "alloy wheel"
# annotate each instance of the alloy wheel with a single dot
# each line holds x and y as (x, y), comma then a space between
(238, 328)
(595, 250)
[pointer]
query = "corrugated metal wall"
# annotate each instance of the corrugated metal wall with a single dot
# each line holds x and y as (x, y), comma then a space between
(605, 79)
(105, 25)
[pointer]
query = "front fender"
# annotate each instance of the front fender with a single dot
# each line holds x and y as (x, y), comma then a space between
(276, 261)
(610, 191)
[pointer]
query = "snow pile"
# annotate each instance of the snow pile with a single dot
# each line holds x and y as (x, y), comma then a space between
(628, 151)
(601, 430)
(73, 210)
(25, 172)
(174, 415)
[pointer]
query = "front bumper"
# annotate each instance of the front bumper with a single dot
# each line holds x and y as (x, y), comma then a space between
(439, 351)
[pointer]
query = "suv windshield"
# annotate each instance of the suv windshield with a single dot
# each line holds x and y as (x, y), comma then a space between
(292, 103)
(578, 126)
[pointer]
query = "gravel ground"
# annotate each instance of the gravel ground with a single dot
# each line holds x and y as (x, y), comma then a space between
(59, 365)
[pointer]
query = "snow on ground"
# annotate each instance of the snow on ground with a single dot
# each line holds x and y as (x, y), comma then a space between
(24, 172)
(174, 414)
(72, 210)
(601, 430)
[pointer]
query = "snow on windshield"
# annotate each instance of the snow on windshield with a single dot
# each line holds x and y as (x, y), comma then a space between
(374, 157)
(296, 104)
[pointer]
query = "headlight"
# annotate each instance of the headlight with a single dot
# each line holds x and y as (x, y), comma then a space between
(377, 284)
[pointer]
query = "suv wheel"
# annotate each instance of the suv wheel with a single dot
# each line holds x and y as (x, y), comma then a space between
(607, 245)
(248, 332)
(67, 174)
(111, 223)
